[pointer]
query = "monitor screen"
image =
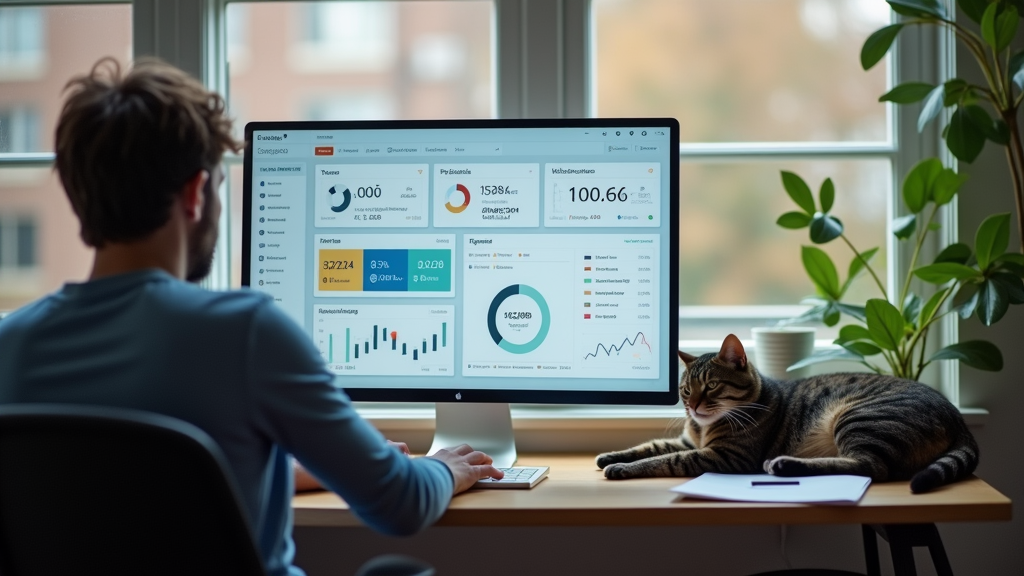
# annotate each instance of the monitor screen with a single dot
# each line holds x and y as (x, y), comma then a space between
(473, 260)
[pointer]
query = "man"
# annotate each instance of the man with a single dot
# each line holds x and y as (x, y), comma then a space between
(139, 158)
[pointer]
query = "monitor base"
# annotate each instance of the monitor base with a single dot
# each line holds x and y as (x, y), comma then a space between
(485, 427)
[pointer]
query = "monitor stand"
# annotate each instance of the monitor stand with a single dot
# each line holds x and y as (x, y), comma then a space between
(485, 427)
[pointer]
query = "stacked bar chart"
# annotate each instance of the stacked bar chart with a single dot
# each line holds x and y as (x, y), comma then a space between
(386, 340)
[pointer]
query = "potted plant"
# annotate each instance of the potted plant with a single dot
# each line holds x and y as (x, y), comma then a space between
(890, 333)
(893, 338)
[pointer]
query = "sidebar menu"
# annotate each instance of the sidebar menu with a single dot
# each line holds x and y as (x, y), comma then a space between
(278, 234)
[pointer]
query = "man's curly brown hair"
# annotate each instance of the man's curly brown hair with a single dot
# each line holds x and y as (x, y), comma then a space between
(127, 144)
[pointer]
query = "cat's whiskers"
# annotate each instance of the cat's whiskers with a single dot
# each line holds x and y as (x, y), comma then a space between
(737, 413)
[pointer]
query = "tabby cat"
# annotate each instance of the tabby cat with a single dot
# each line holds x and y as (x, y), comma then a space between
(855, 423)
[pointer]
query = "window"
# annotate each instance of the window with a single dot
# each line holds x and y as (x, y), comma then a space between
(22, 42)
(19, 129)
(41, 48)
(355, 61)
(757, 87)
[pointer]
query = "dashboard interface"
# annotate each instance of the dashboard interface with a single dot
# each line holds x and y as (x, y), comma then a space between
(471, 256)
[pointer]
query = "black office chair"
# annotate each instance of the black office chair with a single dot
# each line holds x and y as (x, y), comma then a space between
(92, 490)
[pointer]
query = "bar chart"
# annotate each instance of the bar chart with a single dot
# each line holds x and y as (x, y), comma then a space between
(386, 340)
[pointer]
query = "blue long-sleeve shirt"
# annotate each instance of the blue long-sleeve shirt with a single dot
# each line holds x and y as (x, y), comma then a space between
(235, 366)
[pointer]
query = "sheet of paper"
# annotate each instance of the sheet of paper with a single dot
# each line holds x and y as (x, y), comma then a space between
(768, 488)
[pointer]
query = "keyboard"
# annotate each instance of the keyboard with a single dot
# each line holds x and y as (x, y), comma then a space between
(516, 477)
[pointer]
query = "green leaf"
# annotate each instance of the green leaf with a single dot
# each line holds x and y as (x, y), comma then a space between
(885, 323)
(821, 270)
(794, 220)
(992, 238)
(933, 226)
(853, 333)
(965, 301)
(1012, 257)
(1006, 27)
(857, 265)
(993, 302)
(862, 348)
(946, 185)
(827, 195)
(920, 8)
(911, 308)
(857, 312)
(933, 104)
(929, 308)
(1016, 69)
(1002, 135)
(877, 45)
(983, 122)
(798, 191)
(829, 355)
(815, 314)
(963, 138)
(959, 253)
(958, 91)
(904, 226)
(907, 93)
(999, 25)
(919, 182)
(974, 353)
(974, 9)
(1012, 285)
(825, 228)
(831, 314)
(988, 24)
(943, 272)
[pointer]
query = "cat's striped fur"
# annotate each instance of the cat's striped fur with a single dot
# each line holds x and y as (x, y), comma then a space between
(852, 423)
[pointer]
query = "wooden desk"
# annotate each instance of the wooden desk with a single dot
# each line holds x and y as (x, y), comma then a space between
(577, 494)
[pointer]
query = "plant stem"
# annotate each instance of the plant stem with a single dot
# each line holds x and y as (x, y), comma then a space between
(866, 266)
(922, 233)
(1015, 158)
(920, 361)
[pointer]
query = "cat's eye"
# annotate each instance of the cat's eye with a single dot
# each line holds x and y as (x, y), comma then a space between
(686, 390)
(712, 385)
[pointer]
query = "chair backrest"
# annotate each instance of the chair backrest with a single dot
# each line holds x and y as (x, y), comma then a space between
(94, 490)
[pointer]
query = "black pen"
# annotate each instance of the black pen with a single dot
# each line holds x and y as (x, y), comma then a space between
(775, 483)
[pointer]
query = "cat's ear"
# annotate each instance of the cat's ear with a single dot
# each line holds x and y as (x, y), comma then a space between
(732, 353)
(686, 358)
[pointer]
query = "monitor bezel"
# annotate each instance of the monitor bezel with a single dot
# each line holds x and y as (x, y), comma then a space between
(665, 397)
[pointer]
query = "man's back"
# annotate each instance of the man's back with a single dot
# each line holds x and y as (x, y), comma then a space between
(232, 364)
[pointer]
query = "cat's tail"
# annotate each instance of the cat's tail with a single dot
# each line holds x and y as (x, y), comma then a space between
(954, 464)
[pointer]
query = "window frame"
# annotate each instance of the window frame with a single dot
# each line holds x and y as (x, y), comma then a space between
(529, 82)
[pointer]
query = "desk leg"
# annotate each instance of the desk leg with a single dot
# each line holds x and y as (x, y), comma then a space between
(871, 551)
(902, 539)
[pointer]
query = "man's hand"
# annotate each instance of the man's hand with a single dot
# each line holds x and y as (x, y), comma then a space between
(402, 447)
(467, 466)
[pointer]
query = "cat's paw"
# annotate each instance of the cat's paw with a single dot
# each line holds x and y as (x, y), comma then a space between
(786, 466)
(618, 471)
(606, 459)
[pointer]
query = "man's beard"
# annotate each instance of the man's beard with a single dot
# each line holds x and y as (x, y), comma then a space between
(202, 241)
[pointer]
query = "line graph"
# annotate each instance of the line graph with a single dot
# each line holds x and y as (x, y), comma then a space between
(638, 343)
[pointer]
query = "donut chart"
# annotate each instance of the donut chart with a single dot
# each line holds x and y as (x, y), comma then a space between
(452, 191)
(492, 319)
(346, 199)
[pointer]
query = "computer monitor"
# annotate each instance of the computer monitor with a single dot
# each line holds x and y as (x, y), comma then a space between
(474, 263)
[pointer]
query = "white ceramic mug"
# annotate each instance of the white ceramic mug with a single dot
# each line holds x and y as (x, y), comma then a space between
(778, 348)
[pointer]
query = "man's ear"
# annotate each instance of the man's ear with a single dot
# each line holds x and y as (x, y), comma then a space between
(192, 196)
(732, 353)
